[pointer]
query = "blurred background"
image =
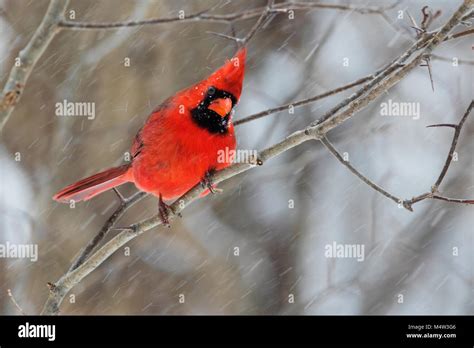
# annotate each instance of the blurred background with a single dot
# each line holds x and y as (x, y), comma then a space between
(279, 216)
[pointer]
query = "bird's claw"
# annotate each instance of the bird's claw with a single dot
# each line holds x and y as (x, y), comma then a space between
(207, 182)
(164, 212)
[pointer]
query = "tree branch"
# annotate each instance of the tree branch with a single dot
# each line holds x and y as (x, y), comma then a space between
(28, 57)
(332, 149)
(457, 132)
(433, 194)
(204, 16)
(299, 103)
(264, 16)
(125, 204)
(460, 34)
(408, 204)
(394, 73)
(15, 303)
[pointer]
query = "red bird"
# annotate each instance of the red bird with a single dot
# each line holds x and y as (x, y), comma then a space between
(179, 144)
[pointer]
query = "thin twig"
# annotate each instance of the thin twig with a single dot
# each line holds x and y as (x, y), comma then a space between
(121, 198)
(15, 303)
(302, 102)
(204, 16)
(377, 77)
(325, 141)
(265, 14)
(453, 200)
(125, 204)
(449, 159)
(408, 204)
(434, 194)
(460, 34)
(394, 73)
(374, 79)
(430, 73)
(201, 16)
(259, 23)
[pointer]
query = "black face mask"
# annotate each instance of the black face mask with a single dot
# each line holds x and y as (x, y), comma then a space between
(209, 119)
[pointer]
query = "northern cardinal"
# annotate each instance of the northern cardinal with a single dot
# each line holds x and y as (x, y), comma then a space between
(179, 144)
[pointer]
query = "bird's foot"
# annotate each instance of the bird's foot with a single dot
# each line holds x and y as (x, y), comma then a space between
(207, 182)
(164, 211)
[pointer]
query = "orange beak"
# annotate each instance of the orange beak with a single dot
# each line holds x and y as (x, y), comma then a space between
(222, 106)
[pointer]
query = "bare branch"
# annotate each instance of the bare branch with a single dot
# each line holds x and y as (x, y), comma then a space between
(351, 8)
(201, 16)
(204, 16)
(125, 204)
(442, 125)
(259, 23)
(408, 204)
(391, 75)
(15, 303)
(332, 149)
(433, 194)
(264, 17)
(430, 73)
(453, 200)
(460, 34)
(121, 198)
(28, 58)
(298, 103)
(449, 159)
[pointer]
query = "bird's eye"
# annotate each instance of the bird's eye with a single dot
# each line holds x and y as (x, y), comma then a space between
(211, 90)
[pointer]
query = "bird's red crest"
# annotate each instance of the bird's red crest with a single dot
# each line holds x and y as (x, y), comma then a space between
(230, 76)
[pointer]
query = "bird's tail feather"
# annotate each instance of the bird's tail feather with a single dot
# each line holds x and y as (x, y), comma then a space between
(93, 185)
